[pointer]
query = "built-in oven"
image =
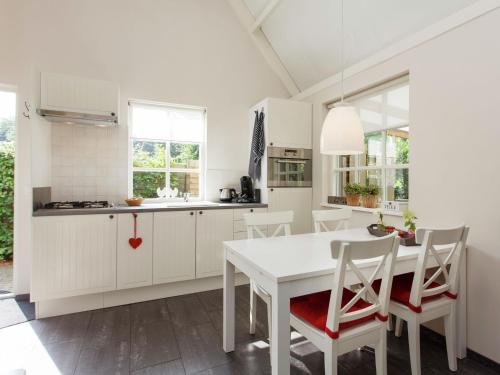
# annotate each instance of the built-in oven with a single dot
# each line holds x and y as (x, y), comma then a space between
(289, 167)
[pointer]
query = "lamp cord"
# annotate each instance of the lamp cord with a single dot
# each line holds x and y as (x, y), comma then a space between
(342, 51)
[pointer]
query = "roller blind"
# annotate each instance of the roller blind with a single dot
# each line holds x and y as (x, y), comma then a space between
(167, 122)
(383, 107)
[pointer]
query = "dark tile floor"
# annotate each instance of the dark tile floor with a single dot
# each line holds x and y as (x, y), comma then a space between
(14, 311)
(182, 335)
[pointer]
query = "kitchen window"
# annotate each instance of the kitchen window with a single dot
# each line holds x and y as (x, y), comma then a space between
(384, 112)
(167, 150)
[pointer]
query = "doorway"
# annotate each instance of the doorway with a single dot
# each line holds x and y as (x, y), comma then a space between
(7, 158)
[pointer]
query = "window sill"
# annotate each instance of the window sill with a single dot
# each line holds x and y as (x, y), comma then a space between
(363, 209)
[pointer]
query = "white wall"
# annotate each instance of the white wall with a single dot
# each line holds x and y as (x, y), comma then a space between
(454, 156)
(189, 52)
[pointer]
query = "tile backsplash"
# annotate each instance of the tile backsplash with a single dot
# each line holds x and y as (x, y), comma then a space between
(89, 163)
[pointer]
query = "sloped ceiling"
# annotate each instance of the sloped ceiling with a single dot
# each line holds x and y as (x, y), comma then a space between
(305, 34)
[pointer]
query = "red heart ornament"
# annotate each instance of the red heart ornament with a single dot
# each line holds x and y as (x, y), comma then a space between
(135, 242)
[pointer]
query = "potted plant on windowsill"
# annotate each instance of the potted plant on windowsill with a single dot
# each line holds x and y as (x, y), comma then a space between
(370, 196)
(353, 194)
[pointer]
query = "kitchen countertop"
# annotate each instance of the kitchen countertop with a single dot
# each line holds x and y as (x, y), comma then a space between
(150, 207)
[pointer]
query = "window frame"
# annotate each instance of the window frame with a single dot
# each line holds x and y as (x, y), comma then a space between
(201, 170)
(336, 169)
(384, 167)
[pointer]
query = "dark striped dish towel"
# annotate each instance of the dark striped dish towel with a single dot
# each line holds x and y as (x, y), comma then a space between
(258, 146)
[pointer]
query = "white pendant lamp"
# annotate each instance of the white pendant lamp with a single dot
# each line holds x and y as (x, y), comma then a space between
(342, 132)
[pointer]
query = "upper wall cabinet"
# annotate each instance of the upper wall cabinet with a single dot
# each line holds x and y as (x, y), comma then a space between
(288, 123)
(76, 94)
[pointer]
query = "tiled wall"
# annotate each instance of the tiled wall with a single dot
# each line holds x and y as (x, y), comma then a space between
(89, 163)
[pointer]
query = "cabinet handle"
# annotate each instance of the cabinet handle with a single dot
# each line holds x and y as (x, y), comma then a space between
(270, 144)
(272, 189)
(191, 213)
(201, 212)
(251, 210)
(111, 216)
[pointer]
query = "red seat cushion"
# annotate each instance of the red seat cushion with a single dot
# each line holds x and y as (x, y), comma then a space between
(313, 309)
(401, 290)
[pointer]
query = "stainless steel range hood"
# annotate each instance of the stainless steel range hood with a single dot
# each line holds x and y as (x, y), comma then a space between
(78, 118)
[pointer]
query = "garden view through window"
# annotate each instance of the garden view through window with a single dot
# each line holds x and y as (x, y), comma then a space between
(7, 159)
(384, 113)
(167, 150)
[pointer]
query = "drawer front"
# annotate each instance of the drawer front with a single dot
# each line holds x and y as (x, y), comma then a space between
(239, 212)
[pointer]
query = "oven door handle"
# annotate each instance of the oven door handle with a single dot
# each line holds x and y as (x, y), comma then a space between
(292, 161)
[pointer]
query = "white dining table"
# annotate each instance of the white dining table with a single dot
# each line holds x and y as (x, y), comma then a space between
(291, 266)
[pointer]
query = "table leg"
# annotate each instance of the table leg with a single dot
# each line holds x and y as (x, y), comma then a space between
(280, 346)
(229, 308)
(461, 312)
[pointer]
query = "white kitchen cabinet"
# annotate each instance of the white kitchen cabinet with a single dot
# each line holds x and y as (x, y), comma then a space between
(174, 246)
(77, 94)
(134, 266)
(288, 123)
(212, 227)
(73, 255)
(299, 200)
(239, 213)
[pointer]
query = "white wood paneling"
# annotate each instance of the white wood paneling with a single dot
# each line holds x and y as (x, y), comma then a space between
(212, 228)
(240, 212)
(299, 200)
(73, 255)
(134, 266)
(78, 94)
(174, 246)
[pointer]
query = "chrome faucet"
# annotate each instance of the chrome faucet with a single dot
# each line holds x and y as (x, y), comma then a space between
(186, 197)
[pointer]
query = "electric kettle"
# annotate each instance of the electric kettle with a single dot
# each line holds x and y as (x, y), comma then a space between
(227, 194)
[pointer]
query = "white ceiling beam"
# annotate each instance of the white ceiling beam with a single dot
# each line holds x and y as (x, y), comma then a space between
(461, 17)
(263, 45)
(265, 13)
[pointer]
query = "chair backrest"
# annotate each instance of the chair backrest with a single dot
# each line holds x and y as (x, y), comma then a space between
(322, 217)
(282, 219)
(346, 253)
(455, 239)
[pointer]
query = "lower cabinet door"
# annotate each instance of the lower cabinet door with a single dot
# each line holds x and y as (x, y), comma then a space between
(73, 255)
(298, 200)
(134, 265)
(174, 246)
(212, 228)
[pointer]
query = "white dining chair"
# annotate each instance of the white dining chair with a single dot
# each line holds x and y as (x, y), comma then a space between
(417, 299)
(254, 223)
(340, 320)
(323, 218)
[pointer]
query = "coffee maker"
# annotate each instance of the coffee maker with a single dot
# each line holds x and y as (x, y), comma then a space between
(248, 194)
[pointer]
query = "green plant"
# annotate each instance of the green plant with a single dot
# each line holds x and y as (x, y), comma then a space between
(380, 220)
(370, 190)
(409, 219)
(352, 189)
(6, 200)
